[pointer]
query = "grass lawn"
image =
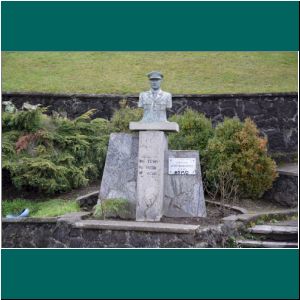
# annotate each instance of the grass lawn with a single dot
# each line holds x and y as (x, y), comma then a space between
(124, 72)
(50, 208)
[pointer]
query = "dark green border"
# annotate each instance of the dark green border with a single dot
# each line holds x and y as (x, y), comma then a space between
(221, 274)
(150, 26)
(150, 273)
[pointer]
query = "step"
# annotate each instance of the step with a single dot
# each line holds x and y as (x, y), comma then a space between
(288, 169)
(265, 244)
(137, 226)
(274, 229)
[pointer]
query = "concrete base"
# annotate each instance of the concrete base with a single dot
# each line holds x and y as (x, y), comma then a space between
(74, 232)
(137, 226)
(156, 126)
(183, 194)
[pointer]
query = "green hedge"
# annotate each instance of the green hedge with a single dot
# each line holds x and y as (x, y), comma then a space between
(55, 154)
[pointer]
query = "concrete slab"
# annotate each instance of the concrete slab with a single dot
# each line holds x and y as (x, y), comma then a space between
(156, 126)
(30, 220)
(264, 244)
(288, 169)
(273, 229)
(293, 223)
(136, 226)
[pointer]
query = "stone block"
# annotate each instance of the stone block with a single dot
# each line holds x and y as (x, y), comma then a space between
(154, 126)
(184, 196)
(150, 178)
(120, 170)
(88, 201)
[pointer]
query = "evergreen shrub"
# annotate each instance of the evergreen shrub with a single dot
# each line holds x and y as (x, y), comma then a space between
(53, 154)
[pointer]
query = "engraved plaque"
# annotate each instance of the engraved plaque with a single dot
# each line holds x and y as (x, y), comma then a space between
(182, 166)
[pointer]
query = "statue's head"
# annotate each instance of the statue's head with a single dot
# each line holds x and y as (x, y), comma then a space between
(155, 78)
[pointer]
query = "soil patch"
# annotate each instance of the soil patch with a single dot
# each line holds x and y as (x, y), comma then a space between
(259, 205)
(9, 192)
(214, 216)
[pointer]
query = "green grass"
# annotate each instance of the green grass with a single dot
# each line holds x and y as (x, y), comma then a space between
(50, 208)
(124, 72)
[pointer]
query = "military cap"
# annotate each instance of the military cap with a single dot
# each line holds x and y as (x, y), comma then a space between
(155, 75)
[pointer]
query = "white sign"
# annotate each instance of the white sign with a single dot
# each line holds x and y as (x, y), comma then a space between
(182, 166)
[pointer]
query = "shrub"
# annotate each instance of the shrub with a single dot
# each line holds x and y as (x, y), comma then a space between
(29, 121)
(195, 131)
(122, 117)
(7, 121)
(238, 146)
(54, 154)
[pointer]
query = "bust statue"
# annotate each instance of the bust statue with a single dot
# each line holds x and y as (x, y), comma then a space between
(155, 102)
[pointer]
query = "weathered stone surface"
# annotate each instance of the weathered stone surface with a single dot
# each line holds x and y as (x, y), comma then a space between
(136, 226)
(156, 126)
(238, 209)
(275, 229)
(114, 235)
(88, 201)
(284, 191)
(182, 188)
(278, 109)
(265, 244)
(120, 171)
(288, 169)
(285, 188)
(150, 179)
(184, 195)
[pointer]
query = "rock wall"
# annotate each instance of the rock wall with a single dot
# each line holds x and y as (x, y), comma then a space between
(66, 232)
(284, 191)
(275, 114)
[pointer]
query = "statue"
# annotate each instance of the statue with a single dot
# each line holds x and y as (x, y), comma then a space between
(155, 102)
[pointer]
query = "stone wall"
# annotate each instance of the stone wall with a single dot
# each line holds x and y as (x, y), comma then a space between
(72, 232)
(275, 114)
(284, 191)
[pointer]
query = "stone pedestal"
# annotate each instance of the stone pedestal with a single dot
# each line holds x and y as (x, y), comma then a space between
(150, 178)
(182, 194)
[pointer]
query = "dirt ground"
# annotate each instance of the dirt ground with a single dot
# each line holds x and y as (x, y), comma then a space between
(214, 216)
(9, 193)
(214, 213)
(259, 205)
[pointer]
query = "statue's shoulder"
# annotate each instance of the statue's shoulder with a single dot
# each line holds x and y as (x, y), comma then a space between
(144, 94)
(167, 94)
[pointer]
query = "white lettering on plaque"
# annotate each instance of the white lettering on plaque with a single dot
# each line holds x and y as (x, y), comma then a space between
(182, 166)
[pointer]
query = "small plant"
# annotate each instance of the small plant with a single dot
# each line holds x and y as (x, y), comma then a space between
(195, 131)
(122, 117)
(224, 186)
(231, 243)
(117, 207)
